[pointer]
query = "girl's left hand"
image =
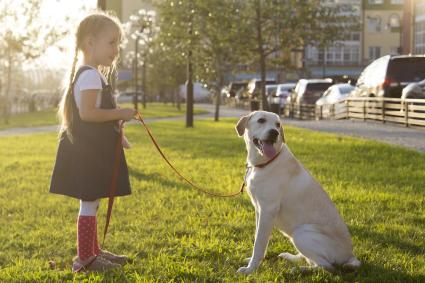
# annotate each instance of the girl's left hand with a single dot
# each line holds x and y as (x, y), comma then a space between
(125, 143)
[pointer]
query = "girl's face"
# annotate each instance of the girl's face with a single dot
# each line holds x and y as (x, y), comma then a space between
(104, 47)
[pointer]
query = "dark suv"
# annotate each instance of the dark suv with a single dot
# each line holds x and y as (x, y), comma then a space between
(388, 75)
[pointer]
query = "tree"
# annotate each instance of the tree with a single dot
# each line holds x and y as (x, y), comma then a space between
(279, 26)
(23, 37)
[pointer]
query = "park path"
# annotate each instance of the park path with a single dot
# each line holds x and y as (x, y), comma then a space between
(388, 133)
(224, 112)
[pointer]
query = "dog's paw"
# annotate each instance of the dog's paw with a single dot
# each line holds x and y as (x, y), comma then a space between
(245, 270)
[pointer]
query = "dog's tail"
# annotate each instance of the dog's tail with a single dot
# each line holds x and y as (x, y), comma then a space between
(352, 264)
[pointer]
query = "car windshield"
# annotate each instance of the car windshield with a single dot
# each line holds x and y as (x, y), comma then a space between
(345, 89)
(285, 88)
(236, 86)
(270, 89)
(318, 86)
(407, 69)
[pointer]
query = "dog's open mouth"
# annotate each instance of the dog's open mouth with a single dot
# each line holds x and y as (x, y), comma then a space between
(265, 146)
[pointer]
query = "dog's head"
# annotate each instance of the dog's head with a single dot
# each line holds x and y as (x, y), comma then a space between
(263, 130)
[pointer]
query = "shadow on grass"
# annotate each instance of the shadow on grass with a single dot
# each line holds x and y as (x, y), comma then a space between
(387, 239)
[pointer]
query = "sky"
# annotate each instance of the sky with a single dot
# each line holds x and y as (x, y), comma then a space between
(54, 11)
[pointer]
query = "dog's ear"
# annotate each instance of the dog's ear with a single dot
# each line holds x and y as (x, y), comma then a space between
(241, 125)
(282, 134)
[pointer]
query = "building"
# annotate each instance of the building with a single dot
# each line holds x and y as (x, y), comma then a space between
(382, 33)
(419, 27)
(343, 58)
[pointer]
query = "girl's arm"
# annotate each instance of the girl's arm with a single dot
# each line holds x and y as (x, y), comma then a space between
(89, 112)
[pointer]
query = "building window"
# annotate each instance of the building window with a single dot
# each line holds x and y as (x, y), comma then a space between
(373, 2)
(397, 2)
(374, 24)
(374, 52)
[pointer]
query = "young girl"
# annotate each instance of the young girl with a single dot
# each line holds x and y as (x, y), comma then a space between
(89, 132)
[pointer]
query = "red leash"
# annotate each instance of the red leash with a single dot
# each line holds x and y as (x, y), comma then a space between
(112, 190)
(140, 119)
(115, 173)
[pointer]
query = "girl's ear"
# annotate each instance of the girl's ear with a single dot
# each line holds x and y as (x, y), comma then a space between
(88, 43)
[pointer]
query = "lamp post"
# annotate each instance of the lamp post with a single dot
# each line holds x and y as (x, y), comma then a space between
(142, 22)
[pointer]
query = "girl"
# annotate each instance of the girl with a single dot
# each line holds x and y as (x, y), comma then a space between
(89, 132)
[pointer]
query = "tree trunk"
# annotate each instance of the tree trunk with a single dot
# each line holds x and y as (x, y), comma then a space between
(177, 94)
(264, 102)
(218, 99)
(144, 79)
(262, 58)
(7, 104)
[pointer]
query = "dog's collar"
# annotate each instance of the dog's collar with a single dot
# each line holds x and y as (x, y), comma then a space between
(268, 162)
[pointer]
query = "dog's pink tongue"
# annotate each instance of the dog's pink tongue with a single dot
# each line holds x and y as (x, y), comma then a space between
(269, 150)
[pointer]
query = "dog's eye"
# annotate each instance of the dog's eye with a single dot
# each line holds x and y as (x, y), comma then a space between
(261, 120)
(278, 125)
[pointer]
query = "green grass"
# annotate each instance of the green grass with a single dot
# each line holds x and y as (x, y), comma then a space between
(48, 117)
(176, 234)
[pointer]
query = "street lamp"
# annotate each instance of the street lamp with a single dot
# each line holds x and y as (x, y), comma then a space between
(142, 23)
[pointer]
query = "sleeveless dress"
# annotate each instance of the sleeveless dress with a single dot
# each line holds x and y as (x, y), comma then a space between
(83, 168)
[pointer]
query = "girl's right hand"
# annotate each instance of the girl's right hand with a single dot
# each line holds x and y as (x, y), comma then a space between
(127, 114)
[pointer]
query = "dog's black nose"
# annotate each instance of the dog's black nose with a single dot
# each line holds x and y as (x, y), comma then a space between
(273, 134)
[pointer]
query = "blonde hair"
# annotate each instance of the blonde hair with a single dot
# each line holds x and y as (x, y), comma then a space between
(91, 25)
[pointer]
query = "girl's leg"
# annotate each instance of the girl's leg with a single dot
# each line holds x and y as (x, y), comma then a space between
(86, 227)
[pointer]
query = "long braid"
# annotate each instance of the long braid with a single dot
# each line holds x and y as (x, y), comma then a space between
(67, 114)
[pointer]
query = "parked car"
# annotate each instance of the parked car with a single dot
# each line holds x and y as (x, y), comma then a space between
(234, 87)
(332, 95)
(282, 92)
(270, 90)
(335, 93)
(308, 91)
(388, 75)
(414, 90)
(254, 89)
(128, 96)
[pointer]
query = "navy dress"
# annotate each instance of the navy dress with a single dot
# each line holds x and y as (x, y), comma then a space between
(84, 167)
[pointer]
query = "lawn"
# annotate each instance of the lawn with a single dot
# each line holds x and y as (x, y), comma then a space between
(176, 234)
(49, 117)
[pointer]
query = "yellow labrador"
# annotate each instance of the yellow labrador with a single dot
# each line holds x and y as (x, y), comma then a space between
(287, 197)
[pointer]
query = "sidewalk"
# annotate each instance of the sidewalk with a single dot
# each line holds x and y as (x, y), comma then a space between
(388, 133)
(224, 112)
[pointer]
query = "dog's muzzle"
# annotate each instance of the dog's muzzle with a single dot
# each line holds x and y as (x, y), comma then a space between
(266, 146)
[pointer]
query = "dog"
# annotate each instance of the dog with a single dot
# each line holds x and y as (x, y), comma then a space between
(287, 197)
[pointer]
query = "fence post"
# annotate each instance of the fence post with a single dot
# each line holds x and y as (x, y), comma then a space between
(364, 110)
(348, 108)
(383, 110)
(406, 115)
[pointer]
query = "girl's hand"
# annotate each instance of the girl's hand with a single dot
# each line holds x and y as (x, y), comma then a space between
(125, 143)
(127, 114)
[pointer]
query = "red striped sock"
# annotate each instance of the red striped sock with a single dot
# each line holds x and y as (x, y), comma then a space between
(85, 236)
(96, 247)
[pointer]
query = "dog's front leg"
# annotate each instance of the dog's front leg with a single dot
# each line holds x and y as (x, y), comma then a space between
(263, 232)
(257, 217)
